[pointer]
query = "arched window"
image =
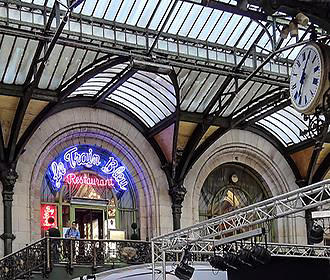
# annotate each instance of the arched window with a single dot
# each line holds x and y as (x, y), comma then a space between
(229, 187)
(92, 186)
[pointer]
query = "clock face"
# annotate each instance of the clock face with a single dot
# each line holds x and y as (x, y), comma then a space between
(307, 78)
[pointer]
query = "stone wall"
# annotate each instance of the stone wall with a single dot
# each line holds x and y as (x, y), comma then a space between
(90, 126)
(238, 146)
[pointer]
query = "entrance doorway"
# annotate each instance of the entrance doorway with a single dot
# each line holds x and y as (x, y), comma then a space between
(90, 223)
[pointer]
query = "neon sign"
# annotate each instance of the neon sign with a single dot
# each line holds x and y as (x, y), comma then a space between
(85, 157)
(72, 178)
(48, 216)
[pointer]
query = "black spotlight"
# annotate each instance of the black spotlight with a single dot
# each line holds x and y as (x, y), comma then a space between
(260, 254)
(244, 257)
(183, 270)
(231, 260)
(316, 234)
(228, 261)
(218, 262)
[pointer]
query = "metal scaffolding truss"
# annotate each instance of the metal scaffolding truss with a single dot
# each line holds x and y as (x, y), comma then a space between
(276, 207)
(276, 249)
(199, 237)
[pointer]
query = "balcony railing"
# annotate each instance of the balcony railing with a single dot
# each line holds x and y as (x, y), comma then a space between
(43, 254)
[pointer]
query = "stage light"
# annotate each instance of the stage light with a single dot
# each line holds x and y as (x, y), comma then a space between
(260, 254)
(316, 233)
(218, 262)
(231, 260)
(228, 260)
(183, 270)
(244, 257)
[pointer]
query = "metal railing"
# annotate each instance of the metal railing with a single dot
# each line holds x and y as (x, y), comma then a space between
(43, 254)
(23, 262)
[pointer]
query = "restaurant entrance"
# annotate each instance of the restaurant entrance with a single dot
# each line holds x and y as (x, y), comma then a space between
(90, 223)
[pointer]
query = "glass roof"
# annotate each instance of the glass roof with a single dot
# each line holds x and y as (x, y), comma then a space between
(287, 125)
(151, 97)
(202, 44)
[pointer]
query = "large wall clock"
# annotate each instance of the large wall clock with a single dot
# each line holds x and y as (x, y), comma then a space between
(309, 77)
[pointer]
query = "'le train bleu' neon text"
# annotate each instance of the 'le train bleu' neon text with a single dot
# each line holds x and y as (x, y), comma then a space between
(88, 159)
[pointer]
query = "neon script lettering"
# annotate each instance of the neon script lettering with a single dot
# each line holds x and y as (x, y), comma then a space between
(87, 159)
(90, 181)
(75, 159)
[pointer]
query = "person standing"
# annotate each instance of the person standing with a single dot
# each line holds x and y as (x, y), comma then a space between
(53, 231)
(73, 232)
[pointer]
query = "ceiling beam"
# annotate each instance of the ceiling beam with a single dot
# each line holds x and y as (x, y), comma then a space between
(163, 124)
(199, 119)
(34, 74)
(38, 94)
(300, 146)
(162, 28)
(114, 84)
(87, 74)
(174, 78)
(230, 9)
(72, 86)
(262, 106)
(199, 131)
(267, 113)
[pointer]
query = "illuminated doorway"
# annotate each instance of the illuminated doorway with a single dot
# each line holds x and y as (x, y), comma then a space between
(90, 223)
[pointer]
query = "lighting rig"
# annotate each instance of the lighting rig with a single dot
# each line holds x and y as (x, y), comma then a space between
(234, 251)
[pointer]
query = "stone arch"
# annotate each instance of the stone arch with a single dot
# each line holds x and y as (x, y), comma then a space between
(247, 148)
(100, 127)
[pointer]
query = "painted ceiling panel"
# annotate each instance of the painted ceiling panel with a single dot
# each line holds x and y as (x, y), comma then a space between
(185, 131)
(165, 141)
(33, 109)
(324, 152)
(207, 134)
(8, 105)
(302, 160)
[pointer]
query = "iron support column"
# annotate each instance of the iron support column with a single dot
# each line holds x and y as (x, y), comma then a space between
(8, 179)
(177, 193)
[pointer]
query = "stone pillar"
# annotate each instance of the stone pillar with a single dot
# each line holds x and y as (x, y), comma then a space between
(8, 179)
(177, 193)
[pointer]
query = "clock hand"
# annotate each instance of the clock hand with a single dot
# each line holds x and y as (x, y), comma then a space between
(303, 75)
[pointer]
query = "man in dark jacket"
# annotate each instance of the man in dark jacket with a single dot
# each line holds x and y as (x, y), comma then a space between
(55, 243)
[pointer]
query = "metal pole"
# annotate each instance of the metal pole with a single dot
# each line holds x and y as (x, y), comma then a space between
(8, 177)
(153, 259)
(164, 265)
